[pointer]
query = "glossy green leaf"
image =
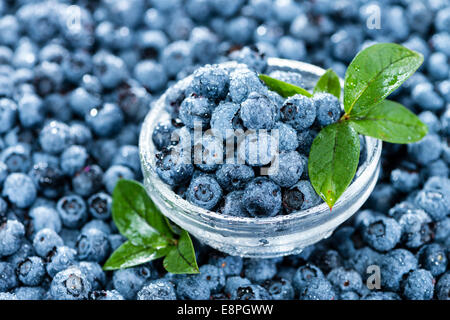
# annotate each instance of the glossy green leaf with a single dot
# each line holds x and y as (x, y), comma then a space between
(333, 161)
(284, 89)
(375, 72)
(133, 211)
(329, 83)
(129, 255)
(390, 121)
(181, 258)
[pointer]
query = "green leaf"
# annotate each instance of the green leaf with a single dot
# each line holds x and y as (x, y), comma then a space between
(391, 122)
(136, 217)
(333, 161)
(129, 255)
(375, 72)
(181, 258)
(284, 89)
(329, 83)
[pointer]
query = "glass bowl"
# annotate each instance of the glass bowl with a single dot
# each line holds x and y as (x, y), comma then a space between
(256, 237)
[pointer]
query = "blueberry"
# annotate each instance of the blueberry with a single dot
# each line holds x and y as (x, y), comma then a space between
(290, 169)
(114, 174)
(128, 156)
(382, 233)
(257, 148)
(93, 245)
(404, 181)
(49, 179)
(287, 137)
(434, 202)
(88, 180)
(214, 277)
(115, 241)
(419, 285)
(128, 282)
(251, 292)
(16, 158)
(225, 119)
(204, 191)
(345, 280)
(301, 196)
(31, 271)
(104, 295)
(105, 121)
(233, 283)
(318, 289)
(210, 81)
(243, 83)
(251, 56)
(443, 287)
(424, 95)
(240, 30)
(12, 233)
(262, 198)
(232, 205)
(8, 114)
(258, 112)
(260, 270)
(19, 189)
(304, 275)
(290, 48)
(77, 64)
(305, 140)
(55, 137)
(81, 101)
(231, 265)
(151, 75)
(193, 287)
(70, 284)
(8, 296)
(381, 295)
(8, 280)
(160, 289)
(280, 289)
(437, 66)
(432, 258)
(94, 273)
(73, 159)
(45, 241)
(328, 108)
(394, 265)
(31, 110)
(97, 224)
(196, 110)
(234, 176)
(72, 211)
(176, 56)
(109, 69)
(326, 260)
(29, 293)
(416, 228)
(299, 112)
(208, 152)
(162, 135)
(60, 259)
(81, 134)
(99, 205)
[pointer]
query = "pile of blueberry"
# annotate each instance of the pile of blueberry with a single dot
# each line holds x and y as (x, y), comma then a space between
(76, 80)
(228, 168)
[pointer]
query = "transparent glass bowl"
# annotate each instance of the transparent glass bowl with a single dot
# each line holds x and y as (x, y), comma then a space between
(257, 237)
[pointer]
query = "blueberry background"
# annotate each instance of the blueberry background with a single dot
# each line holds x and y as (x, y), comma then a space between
(76, 80)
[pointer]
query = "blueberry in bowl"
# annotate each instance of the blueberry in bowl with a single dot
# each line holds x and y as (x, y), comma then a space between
(244, 208)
